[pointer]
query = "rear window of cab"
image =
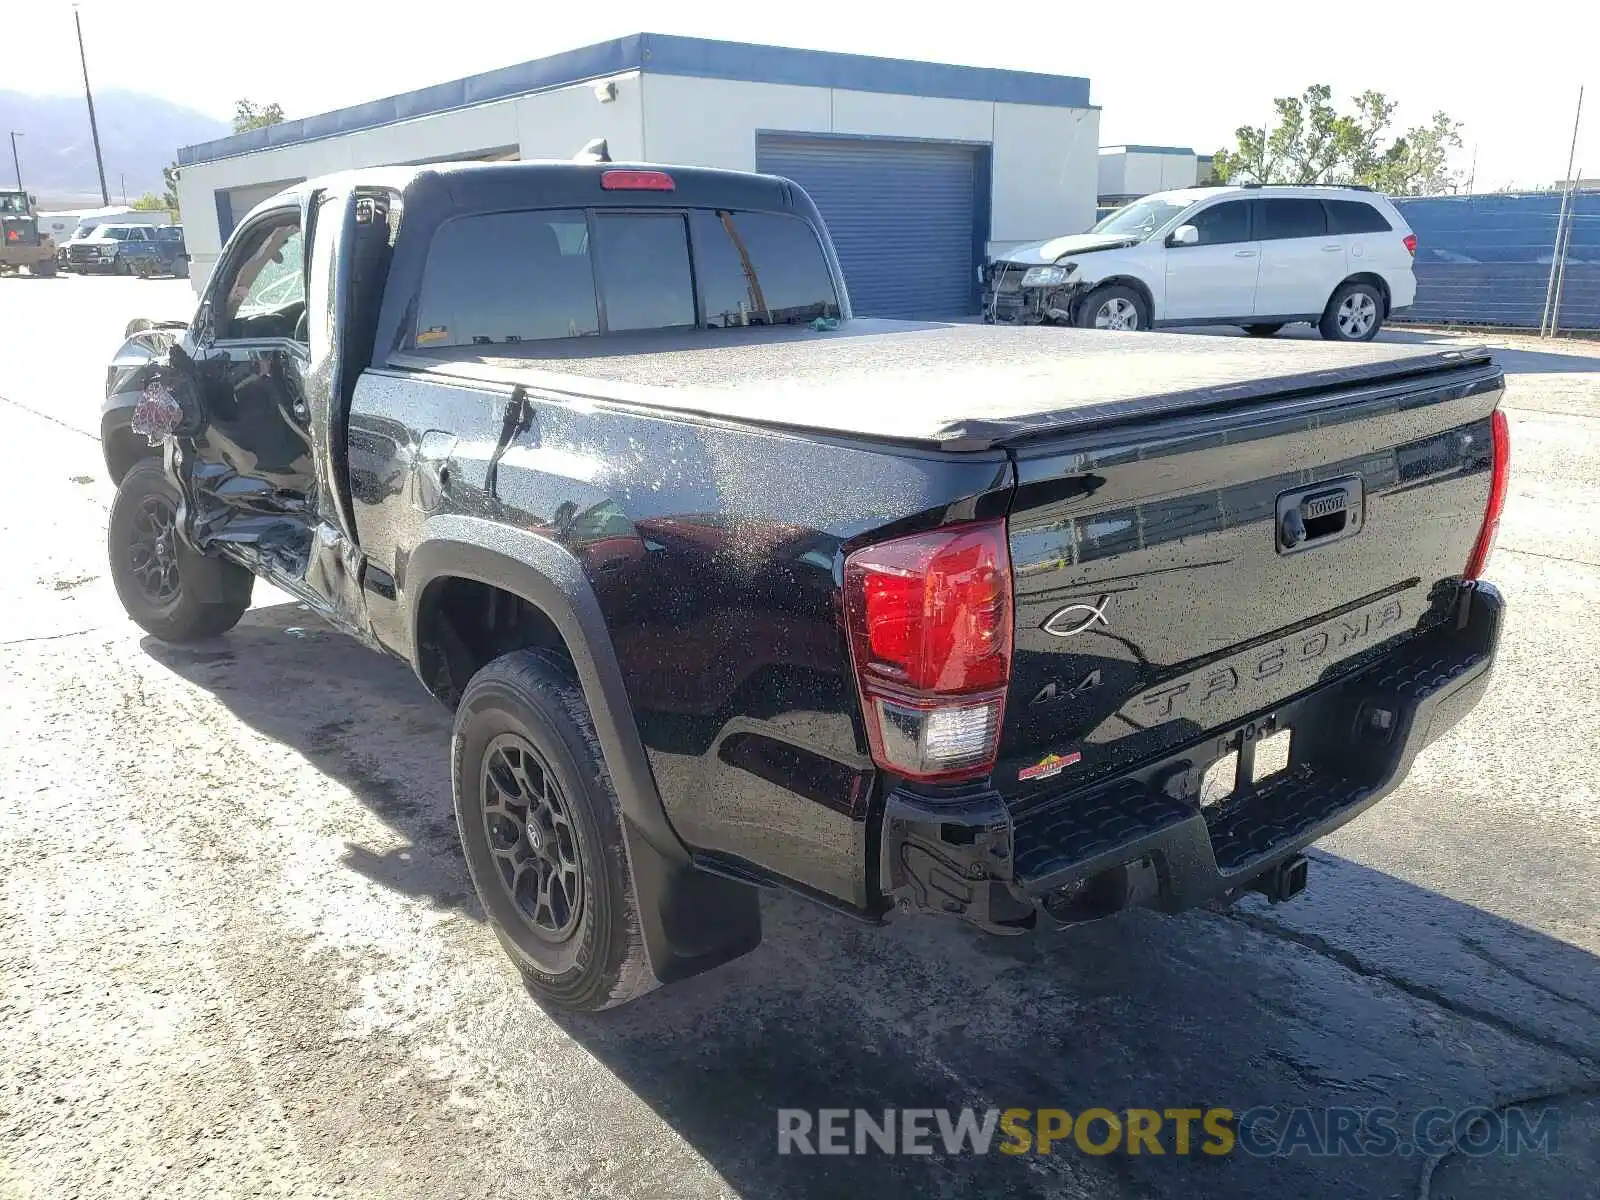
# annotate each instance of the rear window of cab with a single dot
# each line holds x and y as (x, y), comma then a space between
(538, 275)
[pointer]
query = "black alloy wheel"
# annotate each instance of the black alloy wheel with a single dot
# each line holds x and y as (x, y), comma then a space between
(528, 824)
(153, 550)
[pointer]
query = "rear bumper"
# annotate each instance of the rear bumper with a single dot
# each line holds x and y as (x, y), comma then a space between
(1145, 839)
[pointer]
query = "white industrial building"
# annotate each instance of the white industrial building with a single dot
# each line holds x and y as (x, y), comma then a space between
(920, 169)
(1128, 172)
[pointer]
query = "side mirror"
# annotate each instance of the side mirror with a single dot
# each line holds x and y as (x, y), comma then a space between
(1184, 235)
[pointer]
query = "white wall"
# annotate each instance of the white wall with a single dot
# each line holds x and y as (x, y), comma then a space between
(553, 124)
(1179, 171)
(713, 122)
(1138, 173)
(1113, 169)
(1045, 163)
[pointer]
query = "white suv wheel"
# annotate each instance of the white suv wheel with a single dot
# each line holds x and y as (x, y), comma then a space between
(1116, 313)
(1356, 315)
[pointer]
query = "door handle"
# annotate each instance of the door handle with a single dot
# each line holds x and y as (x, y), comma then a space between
(1314, 516)
(1244, 253)
(1332, 249)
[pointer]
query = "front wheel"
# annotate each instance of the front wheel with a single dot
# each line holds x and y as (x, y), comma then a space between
(169, 589)
(541, 828)
(1263, 330)
(1354, 314)
(1114, 307)
(44, 269)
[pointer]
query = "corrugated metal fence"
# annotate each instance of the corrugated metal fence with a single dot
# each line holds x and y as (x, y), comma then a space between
(1486, 259)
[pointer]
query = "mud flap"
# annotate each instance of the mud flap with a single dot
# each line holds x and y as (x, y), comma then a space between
(692, 920)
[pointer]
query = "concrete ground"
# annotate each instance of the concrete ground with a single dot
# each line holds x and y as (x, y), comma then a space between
(239, 954)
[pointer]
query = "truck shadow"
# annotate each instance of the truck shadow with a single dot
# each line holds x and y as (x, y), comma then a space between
(1367, 991)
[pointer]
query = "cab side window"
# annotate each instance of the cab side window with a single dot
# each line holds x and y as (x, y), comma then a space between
(1223, 223)
(265, 297)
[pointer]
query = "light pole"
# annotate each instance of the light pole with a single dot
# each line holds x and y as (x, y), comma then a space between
(15, 161)
(94, 129)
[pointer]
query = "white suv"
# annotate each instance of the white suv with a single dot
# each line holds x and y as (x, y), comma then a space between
(1260, 257)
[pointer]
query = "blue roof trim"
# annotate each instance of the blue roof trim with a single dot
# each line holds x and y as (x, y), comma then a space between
(1172, 150)
(665, 55)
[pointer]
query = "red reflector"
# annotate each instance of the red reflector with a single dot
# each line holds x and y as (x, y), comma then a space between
(1499, 477)
(1411, 244)
(636, 181)
(929, 621)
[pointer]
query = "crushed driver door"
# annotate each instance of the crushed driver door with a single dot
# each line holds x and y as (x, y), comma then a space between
(252, 367)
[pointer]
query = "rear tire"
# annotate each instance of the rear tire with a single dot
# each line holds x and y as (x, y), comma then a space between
(1354, 314)
(1263, 330)
(43, 270)
(170, 590)
(120, 266)
(541, 828)
(1114, 306)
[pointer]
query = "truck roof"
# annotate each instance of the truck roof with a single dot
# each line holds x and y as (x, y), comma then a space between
(554, 183)
(945, 386)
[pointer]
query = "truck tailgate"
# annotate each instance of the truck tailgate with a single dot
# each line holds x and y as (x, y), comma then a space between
(1176, 577)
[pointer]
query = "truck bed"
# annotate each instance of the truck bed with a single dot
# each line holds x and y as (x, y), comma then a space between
(944, 386)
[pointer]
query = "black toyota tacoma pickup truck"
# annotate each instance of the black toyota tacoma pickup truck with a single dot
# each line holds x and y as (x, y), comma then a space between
(730, 590)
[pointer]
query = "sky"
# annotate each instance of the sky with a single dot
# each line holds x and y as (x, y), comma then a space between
(1163, 72)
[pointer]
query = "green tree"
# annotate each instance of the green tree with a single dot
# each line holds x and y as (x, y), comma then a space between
(1418, 162)
(248, 115)
(1310, 141)
(150, 202)
(169, 178)
(1250, 161)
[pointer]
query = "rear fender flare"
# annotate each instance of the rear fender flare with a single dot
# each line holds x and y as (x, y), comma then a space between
(691, 920)
(546, 575)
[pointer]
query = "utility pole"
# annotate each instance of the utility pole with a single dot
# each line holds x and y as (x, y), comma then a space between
(1561, 273)
(15, 161)
(1561, 223)
(94, 129)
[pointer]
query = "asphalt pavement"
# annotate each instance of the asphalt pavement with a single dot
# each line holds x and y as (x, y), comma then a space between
(240, 956)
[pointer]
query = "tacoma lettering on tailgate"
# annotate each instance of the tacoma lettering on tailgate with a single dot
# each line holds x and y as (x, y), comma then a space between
(1188, 697)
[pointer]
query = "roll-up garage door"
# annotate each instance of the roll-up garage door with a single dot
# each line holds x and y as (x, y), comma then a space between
(902, 216)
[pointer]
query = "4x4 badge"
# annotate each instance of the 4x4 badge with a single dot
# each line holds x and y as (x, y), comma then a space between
(1075, 618)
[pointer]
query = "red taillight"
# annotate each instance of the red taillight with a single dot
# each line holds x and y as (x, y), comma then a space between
(636, 181)
(1411, 244)
(929, 619)
(1499, 476)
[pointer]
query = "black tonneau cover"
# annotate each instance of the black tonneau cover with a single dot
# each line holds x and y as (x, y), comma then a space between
(950, 387)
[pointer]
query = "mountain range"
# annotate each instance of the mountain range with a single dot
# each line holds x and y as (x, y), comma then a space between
(139, 135)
